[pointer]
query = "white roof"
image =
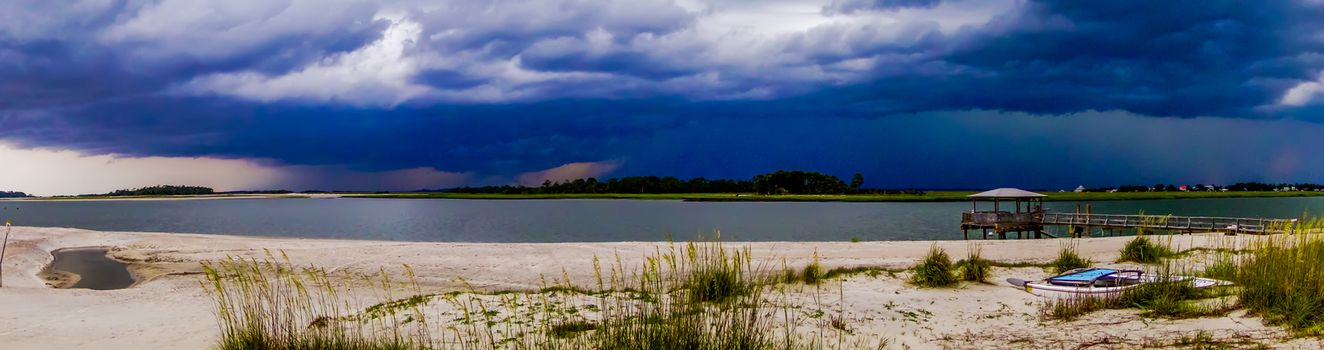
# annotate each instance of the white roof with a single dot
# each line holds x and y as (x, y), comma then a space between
(1006, 193)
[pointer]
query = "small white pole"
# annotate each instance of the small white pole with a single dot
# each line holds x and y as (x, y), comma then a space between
(4, 245)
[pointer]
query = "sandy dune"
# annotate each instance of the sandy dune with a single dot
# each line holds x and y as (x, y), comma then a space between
(168, 309)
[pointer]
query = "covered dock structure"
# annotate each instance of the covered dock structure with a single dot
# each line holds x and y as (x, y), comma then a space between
(1012, 210)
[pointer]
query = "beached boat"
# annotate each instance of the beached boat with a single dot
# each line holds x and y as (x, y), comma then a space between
(1101, 282)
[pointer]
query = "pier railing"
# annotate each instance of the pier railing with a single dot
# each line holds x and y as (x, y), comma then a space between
(1182, 223)
(998, 217)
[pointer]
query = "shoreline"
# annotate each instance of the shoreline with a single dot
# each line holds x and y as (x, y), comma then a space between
(930, 197)
(168, 309)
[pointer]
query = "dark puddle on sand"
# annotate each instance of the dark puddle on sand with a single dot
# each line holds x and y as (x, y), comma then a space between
(91, 267)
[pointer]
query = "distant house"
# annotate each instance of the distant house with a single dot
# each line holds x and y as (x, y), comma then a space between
(1079, 189)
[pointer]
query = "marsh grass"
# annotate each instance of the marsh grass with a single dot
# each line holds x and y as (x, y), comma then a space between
(935, 271)
(1068, 259)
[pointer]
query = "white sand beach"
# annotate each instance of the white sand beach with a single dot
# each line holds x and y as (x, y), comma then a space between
(168, 309)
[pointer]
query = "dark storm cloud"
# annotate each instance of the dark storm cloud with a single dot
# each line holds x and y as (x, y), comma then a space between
(506, 87)
(1178, 58)
(55, 55)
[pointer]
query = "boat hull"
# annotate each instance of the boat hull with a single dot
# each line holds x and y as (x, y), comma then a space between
(1044, 289)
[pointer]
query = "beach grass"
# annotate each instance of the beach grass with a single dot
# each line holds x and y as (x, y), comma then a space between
(1068, 259)
(699, 295)
(267, 304)
(1145, 251)
(974, 268)
(1282, 280)
(935, 270)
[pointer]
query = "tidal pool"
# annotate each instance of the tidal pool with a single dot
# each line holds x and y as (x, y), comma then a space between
(88, 268)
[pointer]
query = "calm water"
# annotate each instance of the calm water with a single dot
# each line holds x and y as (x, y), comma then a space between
(445, 220)
(94, 269)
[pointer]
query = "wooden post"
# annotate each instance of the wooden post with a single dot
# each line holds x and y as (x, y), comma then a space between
(4, 244)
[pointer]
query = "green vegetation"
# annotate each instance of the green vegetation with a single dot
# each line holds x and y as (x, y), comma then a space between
(164, 190)
(778, 183)
(974, 268)
(1144, 251)
(716, 274)
(1068, 259)
(13, 194)
(812, 273)
(1282, 281)
(698, 296)
(798, 182)
(935, 271)
(268, 305)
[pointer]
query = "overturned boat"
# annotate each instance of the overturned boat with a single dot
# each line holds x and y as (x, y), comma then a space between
(1102, 282)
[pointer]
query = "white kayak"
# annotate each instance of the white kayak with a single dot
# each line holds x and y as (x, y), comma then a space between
(1101, 282)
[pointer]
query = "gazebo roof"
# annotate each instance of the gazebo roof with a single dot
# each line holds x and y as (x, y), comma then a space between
(1006, 193)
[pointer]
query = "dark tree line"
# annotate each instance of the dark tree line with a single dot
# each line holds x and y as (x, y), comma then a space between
(798, 182)
(13, 194)
(163, 190)
(779, 182)
(633, 184)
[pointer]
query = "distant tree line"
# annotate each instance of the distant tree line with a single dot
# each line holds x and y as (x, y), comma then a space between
(13, 194)
(1239, 187)
(257, 192)
(779, 182)
(164, 190)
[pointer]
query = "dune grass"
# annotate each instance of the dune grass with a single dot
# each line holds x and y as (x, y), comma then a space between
(1143, 250)
(974, 268)
(1068, 259)
(269, 305)
(935, 271)
(1282, 279)
(691, 296)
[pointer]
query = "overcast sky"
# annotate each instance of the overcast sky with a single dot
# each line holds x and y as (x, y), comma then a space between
(407, 94)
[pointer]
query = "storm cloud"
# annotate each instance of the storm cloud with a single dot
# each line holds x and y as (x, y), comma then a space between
(511, 91)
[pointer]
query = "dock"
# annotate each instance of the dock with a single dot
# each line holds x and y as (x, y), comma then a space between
(1032, 219)
(1187, 224)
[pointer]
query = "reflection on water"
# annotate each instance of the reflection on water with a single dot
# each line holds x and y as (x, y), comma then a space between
(94, 269)
(448, 220)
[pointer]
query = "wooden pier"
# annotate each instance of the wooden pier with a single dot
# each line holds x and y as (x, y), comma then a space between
(1174, 223)
(1033, 219)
